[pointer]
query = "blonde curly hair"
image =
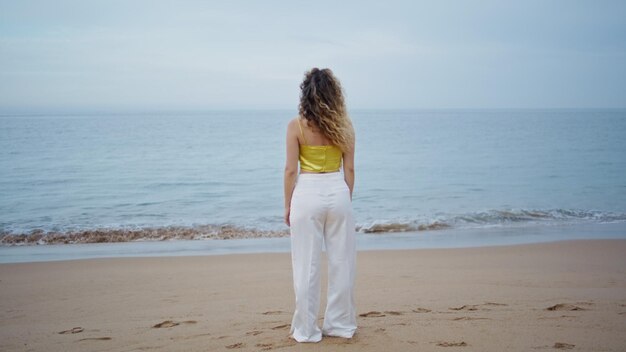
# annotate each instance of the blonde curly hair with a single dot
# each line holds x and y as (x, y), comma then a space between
(322, 104)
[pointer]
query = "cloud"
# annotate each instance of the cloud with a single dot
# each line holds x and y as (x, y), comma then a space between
(203, 55)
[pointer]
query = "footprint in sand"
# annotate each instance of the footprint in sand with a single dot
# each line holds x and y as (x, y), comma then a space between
(96, 338)
(400, 324)
(391, 312)
(265, 346)
(563, 346)
(280, 327)
(236, 345)
(469, 318)
(170, 323)
(565, 306)
(273, 312)
(166, 324)
(254, 333)
(421, 310)
(72, 330)
(287, 342)
(559, 317)
(465, 307)
(372, 314)
(472, 307)
(452, 344)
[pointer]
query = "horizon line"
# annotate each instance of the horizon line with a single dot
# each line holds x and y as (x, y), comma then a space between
(89, 112)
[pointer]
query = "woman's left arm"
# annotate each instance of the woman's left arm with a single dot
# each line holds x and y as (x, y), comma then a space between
(348, 168)
(291, 166)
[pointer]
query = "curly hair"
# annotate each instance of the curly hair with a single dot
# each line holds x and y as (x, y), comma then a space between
(322, 104)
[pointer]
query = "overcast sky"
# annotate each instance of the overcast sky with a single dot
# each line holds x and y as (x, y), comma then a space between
(197, 55)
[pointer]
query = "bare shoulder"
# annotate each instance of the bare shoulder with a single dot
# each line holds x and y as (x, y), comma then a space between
(292, 125)
(292, 122)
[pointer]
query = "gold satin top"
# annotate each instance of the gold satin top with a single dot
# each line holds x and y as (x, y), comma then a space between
(319, 158)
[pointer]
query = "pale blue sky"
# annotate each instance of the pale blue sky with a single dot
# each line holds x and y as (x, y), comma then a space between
(197, 55)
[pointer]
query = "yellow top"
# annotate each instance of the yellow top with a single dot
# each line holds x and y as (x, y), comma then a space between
(319, 158)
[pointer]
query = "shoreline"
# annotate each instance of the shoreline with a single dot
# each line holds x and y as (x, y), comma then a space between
(448, 238)
(524, 297)
(528, 218)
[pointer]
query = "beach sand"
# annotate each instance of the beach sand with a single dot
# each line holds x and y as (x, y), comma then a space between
(551, 296)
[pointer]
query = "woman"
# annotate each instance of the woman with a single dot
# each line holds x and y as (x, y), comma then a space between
(318, 208)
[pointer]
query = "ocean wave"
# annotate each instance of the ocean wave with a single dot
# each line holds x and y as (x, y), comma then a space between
(110, 235)
(379, 227)
(491, 218)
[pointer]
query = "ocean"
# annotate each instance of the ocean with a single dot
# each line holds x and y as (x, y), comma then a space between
(127, 177)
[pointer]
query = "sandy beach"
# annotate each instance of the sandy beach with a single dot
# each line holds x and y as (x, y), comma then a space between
(567, 295)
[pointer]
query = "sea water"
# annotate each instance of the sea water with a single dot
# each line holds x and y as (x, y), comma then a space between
(415, 170)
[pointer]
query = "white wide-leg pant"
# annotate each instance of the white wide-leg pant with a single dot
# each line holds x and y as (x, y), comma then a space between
(321, 212)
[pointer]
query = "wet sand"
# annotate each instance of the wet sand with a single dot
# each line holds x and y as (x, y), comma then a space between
(567, 295)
